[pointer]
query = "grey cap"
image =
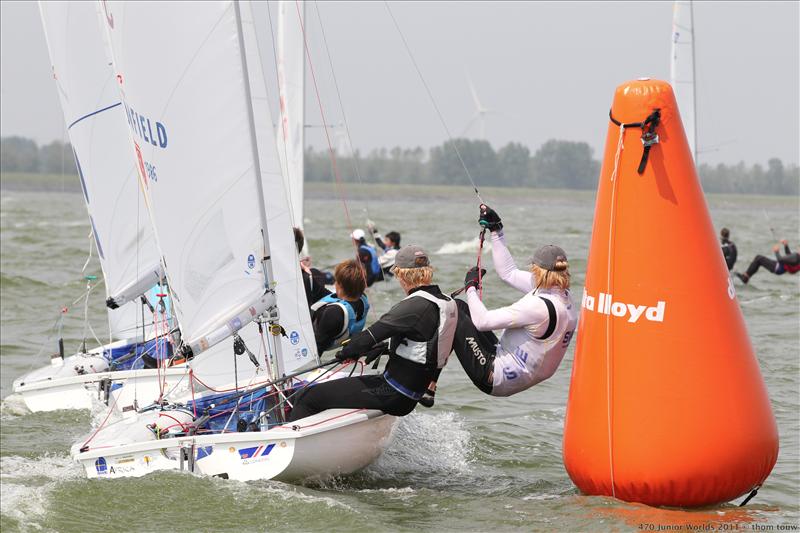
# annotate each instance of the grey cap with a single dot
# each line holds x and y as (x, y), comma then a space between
(547, 256)
(411, 256)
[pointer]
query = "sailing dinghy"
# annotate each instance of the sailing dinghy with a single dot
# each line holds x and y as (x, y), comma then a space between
(218, 204)
(120, 227)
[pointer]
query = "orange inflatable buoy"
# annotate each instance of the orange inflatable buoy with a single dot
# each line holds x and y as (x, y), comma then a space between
(666, 406)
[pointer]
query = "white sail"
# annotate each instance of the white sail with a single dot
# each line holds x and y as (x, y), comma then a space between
(291, 85)
(95, 123)
(682, 68)
(186, 95)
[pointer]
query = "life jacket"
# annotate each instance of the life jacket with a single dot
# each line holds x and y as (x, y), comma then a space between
(353, 324)
(374, 265)
(791, 269)
(425, 353)
(521, 360)
(418, 351)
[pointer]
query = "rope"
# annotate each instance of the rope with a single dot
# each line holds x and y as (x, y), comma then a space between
(85, 445)
(339, 186)
(356, 167)
(433, 101)
(649, 135)
(617, 157)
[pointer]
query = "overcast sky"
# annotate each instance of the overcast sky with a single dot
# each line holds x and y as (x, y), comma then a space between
(548, 69)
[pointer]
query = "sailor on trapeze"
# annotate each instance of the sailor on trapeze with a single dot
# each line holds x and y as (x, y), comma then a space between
(538, 326)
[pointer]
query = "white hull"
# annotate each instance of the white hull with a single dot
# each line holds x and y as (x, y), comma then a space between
(59, 386)
(336, 441)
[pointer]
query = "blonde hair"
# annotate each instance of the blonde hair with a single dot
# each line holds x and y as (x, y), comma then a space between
(558, 277)
(414, 277)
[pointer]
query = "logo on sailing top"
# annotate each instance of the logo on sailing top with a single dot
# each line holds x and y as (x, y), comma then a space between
(256, 453)
(294, 337)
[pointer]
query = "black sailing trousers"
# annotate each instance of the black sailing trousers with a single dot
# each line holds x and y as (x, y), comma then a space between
(366, 392)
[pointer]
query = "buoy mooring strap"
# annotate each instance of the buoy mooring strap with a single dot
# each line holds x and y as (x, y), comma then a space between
(649, 135)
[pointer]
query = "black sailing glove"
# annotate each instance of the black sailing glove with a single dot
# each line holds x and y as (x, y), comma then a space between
(471, 279)
(376, 351)
(489, 219)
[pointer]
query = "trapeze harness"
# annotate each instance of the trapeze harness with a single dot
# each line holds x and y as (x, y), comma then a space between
(352, 325)
(431, 354)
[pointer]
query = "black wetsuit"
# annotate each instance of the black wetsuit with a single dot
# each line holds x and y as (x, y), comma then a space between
(314, 284)
(328, 322)
(790, 262)
(414, 319)
(729, 252)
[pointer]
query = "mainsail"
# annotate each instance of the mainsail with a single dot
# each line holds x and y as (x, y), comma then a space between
(682, 69)
(95, 122)
(203, 164)
(291, 85)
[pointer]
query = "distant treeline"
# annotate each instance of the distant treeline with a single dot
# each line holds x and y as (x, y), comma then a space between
(556, 164)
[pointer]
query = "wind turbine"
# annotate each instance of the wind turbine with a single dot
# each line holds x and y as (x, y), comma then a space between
(480, 112)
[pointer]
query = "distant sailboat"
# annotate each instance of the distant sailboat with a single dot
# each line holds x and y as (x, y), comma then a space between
(682, 68)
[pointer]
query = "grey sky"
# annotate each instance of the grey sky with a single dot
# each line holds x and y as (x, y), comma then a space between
(548, 69)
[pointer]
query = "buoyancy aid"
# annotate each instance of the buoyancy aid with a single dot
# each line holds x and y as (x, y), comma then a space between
(429, 354)
(374, 264)
(353, 324)
(522, 360)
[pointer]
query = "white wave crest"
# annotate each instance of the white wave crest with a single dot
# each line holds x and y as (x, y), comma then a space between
(464, 247)
(427, 443)
(23, 495)
(13, 406)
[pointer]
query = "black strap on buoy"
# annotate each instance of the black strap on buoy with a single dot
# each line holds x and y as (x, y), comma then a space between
(750, 496)
(649, 135)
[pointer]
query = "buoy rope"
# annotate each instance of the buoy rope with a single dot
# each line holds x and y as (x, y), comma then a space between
(649, 135)
(433, 102)
(617, 156)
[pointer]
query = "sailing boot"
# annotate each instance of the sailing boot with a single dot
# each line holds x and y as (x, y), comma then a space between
(427, 398)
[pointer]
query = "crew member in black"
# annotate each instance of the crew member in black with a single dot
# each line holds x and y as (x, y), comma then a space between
(313, 279)
(790, 262)
(420, 329)
(337, 317)
(728, 248)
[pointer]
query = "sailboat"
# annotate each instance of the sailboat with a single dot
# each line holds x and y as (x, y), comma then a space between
(120, 227)
(682, 68)
(129, 256)
(223, 226)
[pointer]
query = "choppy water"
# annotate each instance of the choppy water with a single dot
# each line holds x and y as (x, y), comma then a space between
(471, 463)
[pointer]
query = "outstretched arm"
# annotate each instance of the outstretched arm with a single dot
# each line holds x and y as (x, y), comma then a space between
(505, 267)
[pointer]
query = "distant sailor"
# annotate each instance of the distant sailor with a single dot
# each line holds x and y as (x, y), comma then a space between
(389, 245)
(420, 330)
(728, 248)
(338, 316)
(790, 262)
(538, 327)
(368, 256)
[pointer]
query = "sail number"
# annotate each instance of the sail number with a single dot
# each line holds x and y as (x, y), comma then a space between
(151, 171)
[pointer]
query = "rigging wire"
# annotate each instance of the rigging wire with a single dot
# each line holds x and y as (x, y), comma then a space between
(339, 186)
(356, 167)
(433, 101)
